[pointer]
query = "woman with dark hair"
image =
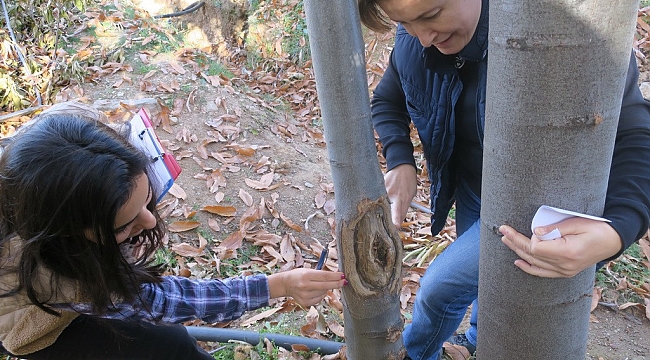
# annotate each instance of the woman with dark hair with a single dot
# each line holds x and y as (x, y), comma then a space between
(75, 201)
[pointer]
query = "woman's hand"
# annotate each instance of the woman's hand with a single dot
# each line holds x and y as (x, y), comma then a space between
(584, 242)
(307, 286)
(401, 187)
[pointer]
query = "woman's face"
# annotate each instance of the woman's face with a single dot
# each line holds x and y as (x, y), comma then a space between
(446, 24)
(134, 217)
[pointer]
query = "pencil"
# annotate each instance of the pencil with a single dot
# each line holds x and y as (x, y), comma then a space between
(321, 260)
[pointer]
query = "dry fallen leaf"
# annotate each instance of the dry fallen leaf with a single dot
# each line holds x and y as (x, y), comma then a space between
(405, 296)
(271, 251)
(214, 224)
(245, 197)
(232, 242)
(299, 347)
(645, 247)
(290, 223)
(220, 210)
(333, 298)
(286, 249)
(595, 298)
(336, 328)
(180, 226)
(187, 250)
(177, 191)
(263, 184)
(330, 206)
(627, 305)
(163, 117)
(251, 215)
(320, 199)
(177, 68)
(456, 352)
(260, 316)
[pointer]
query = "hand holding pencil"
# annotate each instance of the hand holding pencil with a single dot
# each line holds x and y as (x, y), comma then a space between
(307, 286)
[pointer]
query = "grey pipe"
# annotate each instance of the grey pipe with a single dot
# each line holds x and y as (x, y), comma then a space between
(203, 333)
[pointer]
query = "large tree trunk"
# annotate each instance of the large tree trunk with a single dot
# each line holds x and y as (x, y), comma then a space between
(555, 82)
(370, 249)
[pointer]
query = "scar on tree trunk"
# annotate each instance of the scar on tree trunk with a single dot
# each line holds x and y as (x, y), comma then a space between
(370, 243)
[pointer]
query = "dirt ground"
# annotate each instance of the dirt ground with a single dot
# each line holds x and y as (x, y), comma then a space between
(240, 153)
(300, 173)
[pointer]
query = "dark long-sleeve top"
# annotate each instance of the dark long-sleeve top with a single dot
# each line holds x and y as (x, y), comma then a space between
(445, 94)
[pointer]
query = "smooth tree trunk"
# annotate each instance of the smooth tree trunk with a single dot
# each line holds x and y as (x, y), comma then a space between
(370, 250)
(555, 82)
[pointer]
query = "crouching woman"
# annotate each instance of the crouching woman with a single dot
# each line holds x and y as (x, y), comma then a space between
(75, 199)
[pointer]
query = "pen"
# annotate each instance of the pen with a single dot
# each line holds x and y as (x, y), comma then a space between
(321, 260)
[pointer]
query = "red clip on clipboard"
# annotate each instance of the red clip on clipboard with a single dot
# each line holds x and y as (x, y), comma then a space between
(163, 169)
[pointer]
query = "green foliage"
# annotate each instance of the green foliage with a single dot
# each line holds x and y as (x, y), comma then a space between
(28, 65)
(206, 234)
(216, 68)
(628, 269)
(277, 34)
(227, 353)
(231, 267)
(140, 68)
(260, 348)
(164, 256)
(279, 327)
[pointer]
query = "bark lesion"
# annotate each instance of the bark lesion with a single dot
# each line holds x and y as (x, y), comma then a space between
(376, 246)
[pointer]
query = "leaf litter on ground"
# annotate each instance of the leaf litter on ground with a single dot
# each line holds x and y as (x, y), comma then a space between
(294, 83)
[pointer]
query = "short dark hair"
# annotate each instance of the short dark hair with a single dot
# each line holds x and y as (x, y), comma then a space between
(373, 17)
(60, 178)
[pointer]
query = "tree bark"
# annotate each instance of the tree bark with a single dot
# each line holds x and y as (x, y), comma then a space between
(554, 88)
(370, 250)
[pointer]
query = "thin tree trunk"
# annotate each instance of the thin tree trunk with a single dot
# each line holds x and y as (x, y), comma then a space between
(370, 250)
(554, 88)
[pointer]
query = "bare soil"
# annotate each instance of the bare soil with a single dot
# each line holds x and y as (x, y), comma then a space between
(208, 132)
(301, 168)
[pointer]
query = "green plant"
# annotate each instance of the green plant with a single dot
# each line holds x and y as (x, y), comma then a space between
(29, 67)
(206, 234)
(228, 350)
(628, 268)
(275, 35)
(278, 327)
(231, 267)
(140, 68)
(226, 353)
(217, 68)
(296, 39)
(164, 256)
(264, 354)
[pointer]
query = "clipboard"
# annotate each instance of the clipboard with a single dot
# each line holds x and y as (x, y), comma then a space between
(163, 169)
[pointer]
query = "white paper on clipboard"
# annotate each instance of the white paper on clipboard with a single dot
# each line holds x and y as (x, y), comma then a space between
(143, 138)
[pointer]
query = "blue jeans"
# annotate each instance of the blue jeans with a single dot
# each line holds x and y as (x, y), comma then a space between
(449, 286)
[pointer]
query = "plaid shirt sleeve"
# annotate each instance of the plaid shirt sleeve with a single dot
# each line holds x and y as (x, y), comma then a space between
(179, 299)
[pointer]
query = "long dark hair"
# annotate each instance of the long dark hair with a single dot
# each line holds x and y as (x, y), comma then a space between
(61, 179)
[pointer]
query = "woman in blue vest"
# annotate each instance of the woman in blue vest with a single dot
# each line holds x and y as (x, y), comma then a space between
(436, 79)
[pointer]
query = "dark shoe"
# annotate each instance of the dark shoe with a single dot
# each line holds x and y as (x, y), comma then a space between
(461, 340)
